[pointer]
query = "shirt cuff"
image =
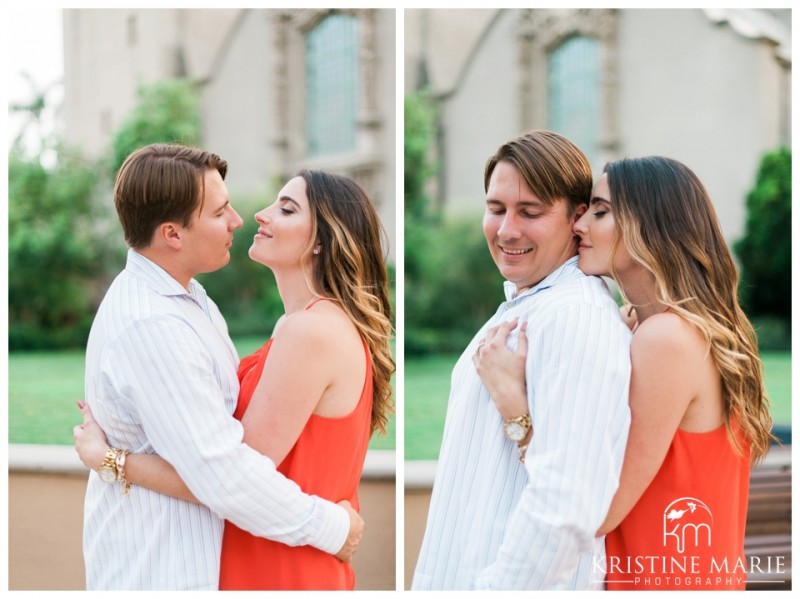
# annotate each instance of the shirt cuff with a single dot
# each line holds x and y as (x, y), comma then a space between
(333, 525)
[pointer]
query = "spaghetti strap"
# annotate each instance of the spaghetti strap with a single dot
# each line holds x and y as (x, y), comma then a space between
(315, 301)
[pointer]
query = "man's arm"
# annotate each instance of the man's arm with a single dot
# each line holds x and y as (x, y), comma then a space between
(578, 372)
(169, 376)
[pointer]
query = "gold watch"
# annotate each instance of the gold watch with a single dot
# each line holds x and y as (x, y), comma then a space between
(516, 428)
(108, 469)
(113, 468)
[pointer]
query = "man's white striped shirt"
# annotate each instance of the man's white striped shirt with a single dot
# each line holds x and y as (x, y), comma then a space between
(161, 378)
(496, 523)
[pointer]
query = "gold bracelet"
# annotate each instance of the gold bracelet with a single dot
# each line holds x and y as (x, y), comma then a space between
(522, 449)
(122, 456)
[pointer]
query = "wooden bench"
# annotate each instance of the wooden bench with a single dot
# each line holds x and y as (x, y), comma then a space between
(768, 534)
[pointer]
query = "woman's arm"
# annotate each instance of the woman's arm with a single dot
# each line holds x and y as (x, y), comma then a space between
(145, 470)
(665, 363)
(305, 359)
(502, 371)
(288, 392)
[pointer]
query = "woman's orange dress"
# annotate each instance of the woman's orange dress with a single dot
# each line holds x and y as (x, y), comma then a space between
(326, 460)
(687, 530)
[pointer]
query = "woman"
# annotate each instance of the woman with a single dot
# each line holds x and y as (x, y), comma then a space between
(699, 413)
(311, 397)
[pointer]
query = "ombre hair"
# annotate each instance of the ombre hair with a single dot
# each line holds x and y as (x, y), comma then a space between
(351, 269)
(665, 218)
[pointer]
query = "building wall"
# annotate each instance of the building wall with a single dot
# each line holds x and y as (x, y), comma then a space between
(481, 114)
(678, 84)
(46, 488)
(108, 53)
(238, 105)
(250, 65)
(702, 94)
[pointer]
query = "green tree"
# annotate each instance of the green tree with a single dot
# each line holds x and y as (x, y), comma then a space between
(54, 252)
(420, 116)
(167, 111)
(420, 123)
(451, 282)
(765, 251)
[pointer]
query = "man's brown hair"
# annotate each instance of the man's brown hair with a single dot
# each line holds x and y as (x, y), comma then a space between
(552, 166)
(161, 183)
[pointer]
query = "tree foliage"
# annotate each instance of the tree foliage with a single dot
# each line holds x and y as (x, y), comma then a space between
(63, 238)
(167, 111)
(418, 138)
(765, 251)
(54, 251)
(451, 282)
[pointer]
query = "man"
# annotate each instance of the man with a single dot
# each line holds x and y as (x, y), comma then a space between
(509, 516)
(161, 379)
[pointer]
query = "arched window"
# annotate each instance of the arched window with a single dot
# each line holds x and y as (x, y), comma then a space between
(332, 85)
(574, 96)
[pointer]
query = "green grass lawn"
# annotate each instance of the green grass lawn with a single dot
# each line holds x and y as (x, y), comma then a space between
(44, 388)
(427, 387)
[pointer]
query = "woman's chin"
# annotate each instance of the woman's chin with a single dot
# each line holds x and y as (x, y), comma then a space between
(590, 269)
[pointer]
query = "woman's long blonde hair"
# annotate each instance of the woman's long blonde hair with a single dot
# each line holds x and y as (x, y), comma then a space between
(665, 218)
(351, 269)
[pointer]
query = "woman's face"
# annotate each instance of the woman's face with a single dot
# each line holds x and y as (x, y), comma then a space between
(284, 231)
(596, 232)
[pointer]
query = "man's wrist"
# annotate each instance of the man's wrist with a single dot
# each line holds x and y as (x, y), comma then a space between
(334, 527)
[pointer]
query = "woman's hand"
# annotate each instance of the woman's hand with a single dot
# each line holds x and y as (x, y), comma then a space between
(502, 371)
(90, 440)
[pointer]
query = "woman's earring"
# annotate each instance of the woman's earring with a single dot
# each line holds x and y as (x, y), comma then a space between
(316, 251)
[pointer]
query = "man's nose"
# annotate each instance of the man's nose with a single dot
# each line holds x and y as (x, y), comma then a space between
(237, 221)
(509, 228)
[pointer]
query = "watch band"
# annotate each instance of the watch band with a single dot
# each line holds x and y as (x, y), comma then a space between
(522, 450)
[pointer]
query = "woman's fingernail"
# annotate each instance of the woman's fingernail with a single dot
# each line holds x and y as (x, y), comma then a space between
(81, 405)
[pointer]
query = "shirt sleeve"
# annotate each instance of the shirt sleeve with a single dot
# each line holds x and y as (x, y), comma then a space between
(578, 372)
(163, 370)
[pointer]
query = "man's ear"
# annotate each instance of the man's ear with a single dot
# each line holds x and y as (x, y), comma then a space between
(170, 234)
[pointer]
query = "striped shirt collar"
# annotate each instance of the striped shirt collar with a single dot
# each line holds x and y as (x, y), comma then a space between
(157, 278)
(566, 270)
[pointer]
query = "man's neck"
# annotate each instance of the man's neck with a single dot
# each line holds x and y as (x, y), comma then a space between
(170, 266)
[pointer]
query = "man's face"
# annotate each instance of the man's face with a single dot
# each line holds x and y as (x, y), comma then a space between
(208, 238)
(527, 238)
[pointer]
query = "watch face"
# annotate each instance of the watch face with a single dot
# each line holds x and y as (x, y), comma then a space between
(515, 431)
(107, 475)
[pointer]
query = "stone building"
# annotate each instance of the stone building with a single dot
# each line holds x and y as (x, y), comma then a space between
(710, 88)
(280, 89)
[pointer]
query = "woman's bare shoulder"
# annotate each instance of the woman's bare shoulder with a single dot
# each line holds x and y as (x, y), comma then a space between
(323, 324)
(670, 335)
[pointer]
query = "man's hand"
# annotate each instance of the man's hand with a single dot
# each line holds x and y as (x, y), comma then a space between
(354, 537)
